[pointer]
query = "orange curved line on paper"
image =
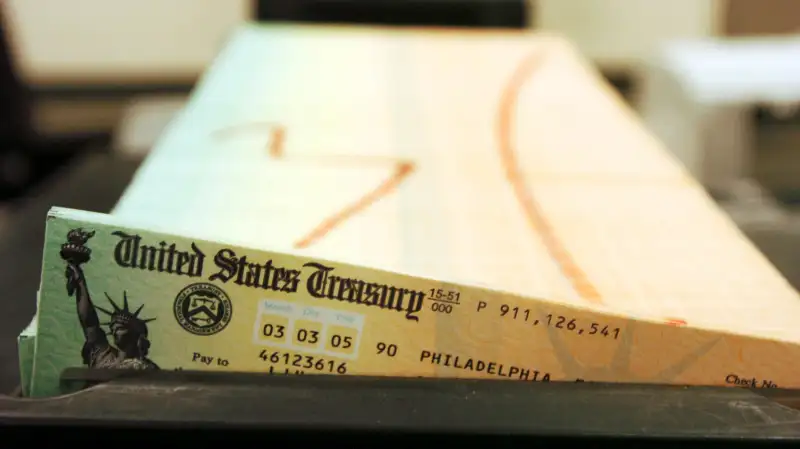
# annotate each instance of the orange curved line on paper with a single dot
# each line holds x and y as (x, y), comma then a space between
(402, 171)
(676, 322)
(533, 213)
(275, 145)
(276, 150)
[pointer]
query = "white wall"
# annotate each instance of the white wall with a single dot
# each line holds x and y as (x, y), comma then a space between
(58, 40)
(619, 33)
(107, 39)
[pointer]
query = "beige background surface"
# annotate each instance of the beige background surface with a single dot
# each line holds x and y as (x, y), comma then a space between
(152, 39)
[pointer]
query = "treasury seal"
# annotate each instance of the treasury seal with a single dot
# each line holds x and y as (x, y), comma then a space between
(203, 309)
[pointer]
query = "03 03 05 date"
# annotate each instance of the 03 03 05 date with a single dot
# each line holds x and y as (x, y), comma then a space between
(569, 324)
(301, 362)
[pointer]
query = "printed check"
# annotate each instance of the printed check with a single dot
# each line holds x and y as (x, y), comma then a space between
(517, 219)
(115, 295)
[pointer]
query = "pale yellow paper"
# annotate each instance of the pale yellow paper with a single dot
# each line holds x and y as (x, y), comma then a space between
(526, 174)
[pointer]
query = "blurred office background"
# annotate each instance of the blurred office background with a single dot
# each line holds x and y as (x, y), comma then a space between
(92, 83)
(717, 80)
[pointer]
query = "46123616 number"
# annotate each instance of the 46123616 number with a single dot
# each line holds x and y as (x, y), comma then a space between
(303, 361)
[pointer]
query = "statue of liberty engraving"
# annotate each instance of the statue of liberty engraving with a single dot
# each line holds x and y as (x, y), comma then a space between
(129, 331)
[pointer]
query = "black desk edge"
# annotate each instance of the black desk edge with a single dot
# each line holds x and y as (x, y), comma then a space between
(314, 404)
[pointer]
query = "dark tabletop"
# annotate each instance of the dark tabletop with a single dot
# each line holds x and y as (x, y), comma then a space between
(91, 182)
(337, 411)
